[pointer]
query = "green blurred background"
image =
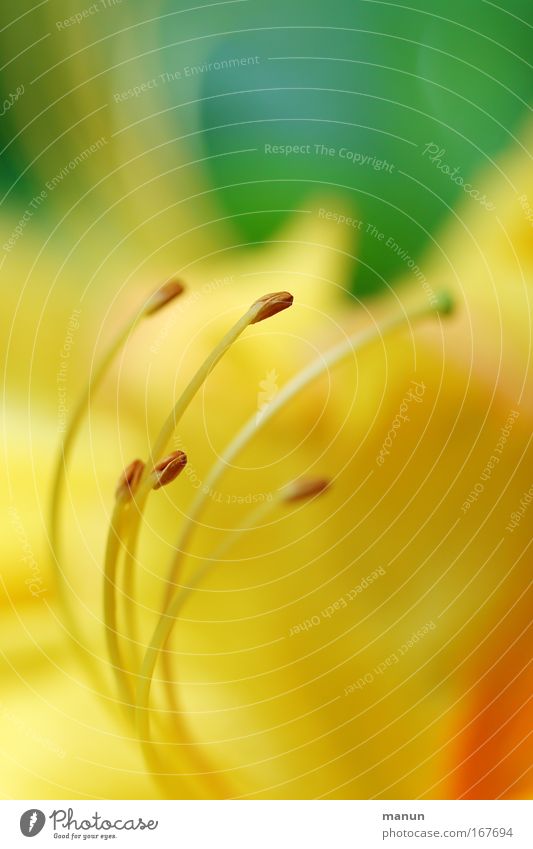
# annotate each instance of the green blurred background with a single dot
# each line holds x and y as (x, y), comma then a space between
(183, 145)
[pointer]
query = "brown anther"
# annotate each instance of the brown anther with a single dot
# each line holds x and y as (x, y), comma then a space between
(129, 480)
(272, 304)
(168, 469)
(306, 488)
(163, 296)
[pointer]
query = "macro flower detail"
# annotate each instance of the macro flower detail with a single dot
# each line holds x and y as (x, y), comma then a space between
(268, 404)
(288, 618)
(129, 480)
(134, 662)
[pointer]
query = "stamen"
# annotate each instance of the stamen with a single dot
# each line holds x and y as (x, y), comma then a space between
(163, 473)
(138, 479)
(301, 490)
(124, 493)
(272, 304)
(443, 305)
(306, 488)
(129, 480)
(163, 296)
(298, 383)
(263, 308)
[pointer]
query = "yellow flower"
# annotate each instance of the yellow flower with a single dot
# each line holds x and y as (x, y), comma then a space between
(352, 643)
